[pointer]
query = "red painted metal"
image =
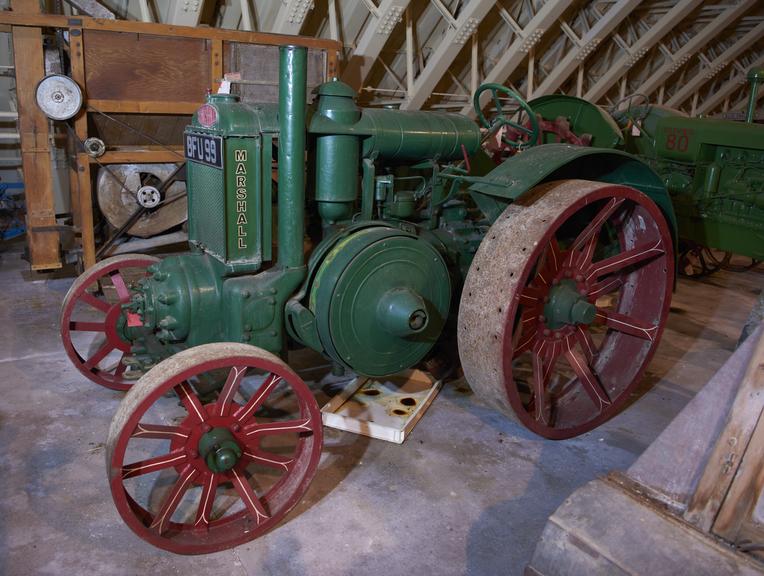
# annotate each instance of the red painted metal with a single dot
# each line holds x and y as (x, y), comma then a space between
(581, 374)
(559, 127)
(203, 511)
(89, 307)
(567, 373)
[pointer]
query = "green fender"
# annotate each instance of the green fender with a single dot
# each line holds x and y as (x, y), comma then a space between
(521, 172)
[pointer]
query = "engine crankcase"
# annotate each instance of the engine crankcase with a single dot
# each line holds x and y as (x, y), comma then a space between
(380, 298)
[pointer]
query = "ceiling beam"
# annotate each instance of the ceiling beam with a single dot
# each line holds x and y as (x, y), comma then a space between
(454, 39)
(291, 15)
(699, 41)
(184, 12)
(575, 57)
(518, 50)
(372, 39)
(718, 97)
(716, 66)
(641, 47)
(743, 103)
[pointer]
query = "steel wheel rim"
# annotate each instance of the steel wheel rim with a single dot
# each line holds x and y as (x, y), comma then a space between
(644, 289)
(615, 370)
(111, 312)
(205, 534)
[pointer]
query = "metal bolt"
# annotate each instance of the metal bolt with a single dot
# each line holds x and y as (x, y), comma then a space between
(547, 331)
(245, 293)
(206, 427)
(235, 427)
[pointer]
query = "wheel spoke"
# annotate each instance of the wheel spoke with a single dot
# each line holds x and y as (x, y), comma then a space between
(604, 287)
(584, 338)
(531, 296)
(94, 302)
(78, 326)
(207, 500)
(524, 129)
(251, 501)
(627, 324)
(150, 465)
(527, 338)
(121, 366)
(553, 256)
(191, 401)
(279, 427)
(119, 284)
(542, 371)
(235, 376)
(584, 259)
(593, 228)
(589, 381)
(624, 259)
(171, 501)
(269, 459)
(496, 101)
(258, 398)
(100, 354)
(158, 431)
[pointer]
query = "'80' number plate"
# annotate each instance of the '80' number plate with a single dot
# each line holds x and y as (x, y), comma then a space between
(205, 149)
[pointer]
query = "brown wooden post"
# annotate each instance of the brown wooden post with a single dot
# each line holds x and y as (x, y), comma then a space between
(44, 252)
(216, 69)
(84, 180)
(332, 70)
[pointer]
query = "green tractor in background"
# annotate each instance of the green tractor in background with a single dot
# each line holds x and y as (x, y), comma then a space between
(552, 272)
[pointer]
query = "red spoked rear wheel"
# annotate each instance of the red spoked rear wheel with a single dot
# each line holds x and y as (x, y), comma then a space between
(565, 303)
(92, 319)
(194, 477)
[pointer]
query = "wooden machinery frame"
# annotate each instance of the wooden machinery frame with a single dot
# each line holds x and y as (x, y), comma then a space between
(122, 67)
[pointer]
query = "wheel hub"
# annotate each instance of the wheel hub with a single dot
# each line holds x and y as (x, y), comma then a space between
(219, 450)
(567, 305)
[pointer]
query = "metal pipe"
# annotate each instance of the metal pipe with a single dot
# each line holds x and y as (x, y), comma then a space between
(291, 191)
(756, 78)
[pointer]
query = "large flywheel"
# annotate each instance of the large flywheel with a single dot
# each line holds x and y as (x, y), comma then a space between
(564, 304)
(123, 189)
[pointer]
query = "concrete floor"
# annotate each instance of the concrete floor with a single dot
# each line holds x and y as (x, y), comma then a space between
(468, 493)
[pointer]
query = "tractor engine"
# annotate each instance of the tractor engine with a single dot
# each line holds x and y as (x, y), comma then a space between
(377, 290)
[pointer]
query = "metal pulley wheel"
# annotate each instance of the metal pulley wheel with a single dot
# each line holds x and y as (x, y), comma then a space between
(380, 298)
(564, 304)
(125, 188)
(59, 97)
(94, 147)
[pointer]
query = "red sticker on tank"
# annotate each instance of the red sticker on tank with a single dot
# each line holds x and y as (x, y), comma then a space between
(207, 115)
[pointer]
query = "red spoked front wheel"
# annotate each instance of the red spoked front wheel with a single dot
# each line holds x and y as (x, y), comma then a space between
(565, 302)
(194, 477)
(93, 321)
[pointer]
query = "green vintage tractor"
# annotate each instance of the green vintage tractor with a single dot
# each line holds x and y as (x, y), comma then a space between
(713, 169)
(553, 272)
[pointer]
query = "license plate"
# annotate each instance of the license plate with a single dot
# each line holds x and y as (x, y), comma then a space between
(205, 149)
